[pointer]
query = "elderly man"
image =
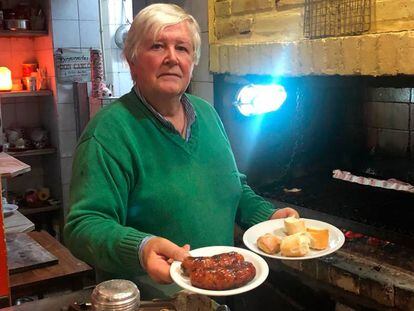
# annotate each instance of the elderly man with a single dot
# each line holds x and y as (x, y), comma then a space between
(155, 169)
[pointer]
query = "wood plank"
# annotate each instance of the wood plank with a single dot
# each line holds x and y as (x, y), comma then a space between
(16, 223)
(31, 152)
(25, 93)
(66, 274)
(23, 33)
(10, 166)
(37, 210)
(24, 253)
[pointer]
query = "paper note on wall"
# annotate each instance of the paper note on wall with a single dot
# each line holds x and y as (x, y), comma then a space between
(72, 66)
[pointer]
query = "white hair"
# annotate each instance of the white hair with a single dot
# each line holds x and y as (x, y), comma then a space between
(155, 18)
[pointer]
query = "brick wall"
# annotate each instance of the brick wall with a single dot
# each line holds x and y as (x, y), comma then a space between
(251, 36)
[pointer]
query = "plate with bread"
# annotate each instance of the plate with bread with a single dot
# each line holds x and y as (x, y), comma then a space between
(220, 271)
(293, 238)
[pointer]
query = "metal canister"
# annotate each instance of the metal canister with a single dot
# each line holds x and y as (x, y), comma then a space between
(115, 295)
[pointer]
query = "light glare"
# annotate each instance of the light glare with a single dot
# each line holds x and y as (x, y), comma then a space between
(259, 99)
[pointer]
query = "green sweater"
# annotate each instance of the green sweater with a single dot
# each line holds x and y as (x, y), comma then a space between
(132, 177)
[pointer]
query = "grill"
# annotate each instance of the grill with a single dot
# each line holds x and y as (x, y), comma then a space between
(319, 129)
(327, 18)
(382, 213)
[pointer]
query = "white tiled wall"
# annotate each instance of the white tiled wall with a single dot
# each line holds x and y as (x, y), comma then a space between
(76, 26)
(114, 14)
(81, 25)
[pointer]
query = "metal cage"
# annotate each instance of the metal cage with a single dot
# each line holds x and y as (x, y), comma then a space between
(332, 18)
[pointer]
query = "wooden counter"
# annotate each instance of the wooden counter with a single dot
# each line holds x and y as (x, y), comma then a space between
(68, 273)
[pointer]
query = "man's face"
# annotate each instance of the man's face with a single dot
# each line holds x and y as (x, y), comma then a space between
(163, 67)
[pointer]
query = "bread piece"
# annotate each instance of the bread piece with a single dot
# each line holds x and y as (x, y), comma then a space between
(319, 237)
(294, 225)
(269, 243)
(295, 245)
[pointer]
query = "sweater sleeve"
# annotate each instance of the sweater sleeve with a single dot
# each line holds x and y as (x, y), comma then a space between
(252, 208)
(96, 230)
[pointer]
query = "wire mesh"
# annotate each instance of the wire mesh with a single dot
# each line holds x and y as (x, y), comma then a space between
(332, 18)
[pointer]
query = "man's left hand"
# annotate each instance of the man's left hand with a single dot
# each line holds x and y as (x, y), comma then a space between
(285, 212)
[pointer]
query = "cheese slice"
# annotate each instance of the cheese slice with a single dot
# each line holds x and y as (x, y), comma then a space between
(319, 237)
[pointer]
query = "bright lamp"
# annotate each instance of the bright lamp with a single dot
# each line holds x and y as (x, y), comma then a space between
(255, 99)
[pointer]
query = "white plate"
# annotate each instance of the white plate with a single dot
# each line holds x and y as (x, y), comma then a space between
(262, 270)
(9, 208)
(276, 226)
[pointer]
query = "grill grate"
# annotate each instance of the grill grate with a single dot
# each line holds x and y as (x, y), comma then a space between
(332, 18)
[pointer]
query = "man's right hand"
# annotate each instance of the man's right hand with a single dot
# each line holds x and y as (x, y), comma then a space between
(158, 255)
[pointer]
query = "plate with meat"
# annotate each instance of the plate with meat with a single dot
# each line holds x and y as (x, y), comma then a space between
(293, 238)
(220, 271)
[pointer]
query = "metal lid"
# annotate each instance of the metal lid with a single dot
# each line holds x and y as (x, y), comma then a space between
(115, 295)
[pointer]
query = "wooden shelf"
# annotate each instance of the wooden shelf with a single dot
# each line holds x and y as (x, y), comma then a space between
(37, 210)
(32, 152)
(11, 167)
(23, 33)
(25, 93)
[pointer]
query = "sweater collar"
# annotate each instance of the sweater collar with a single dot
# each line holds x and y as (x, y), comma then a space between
(188, 110)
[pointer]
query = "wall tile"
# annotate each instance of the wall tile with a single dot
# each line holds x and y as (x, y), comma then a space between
(64, 9)
(66, 169)
(104, 12)
(123, 66)
(111, 64)
(125, 83)
(389, 94)
(67, 143)
(66, 34)
(199, 10)
(110, 80)
(106, 37)
(114, 79)
(64, 93)
(88, 10)
(372, 138)
(204, 90)
(201, 71)
(66, 117)
(115, 14)
(65, 199)
(393, 142)
(90, 35)
(386, 115)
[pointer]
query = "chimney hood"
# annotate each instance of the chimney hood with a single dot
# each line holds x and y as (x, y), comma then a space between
(266, 37)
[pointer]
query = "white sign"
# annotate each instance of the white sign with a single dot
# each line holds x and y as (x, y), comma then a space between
(73, 66)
